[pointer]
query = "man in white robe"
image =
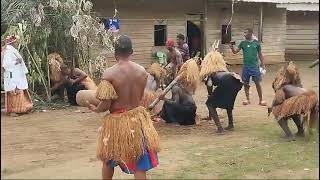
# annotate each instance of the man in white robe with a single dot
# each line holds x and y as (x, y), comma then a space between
(17, 97)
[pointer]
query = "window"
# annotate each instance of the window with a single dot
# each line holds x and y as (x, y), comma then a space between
(225, 36)
(160, 35)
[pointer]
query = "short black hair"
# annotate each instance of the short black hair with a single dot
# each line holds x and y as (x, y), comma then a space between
(123, 45)
(250, 30)
(180, 36)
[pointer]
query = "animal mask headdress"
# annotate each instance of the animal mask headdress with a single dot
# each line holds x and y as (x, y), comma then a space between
(189, 76)
(157, 71)
(288, 74)
(212, 62)
(55, 62)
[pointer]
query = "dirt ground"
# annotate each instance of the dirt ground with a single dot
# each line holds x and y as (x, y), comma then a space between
(61, 144)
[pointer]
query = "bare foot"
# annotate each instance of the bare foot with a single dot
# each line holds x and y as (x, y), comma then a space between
(263, 103)
(288, 138)
(246, 102)
(156, 119)
(220, 131)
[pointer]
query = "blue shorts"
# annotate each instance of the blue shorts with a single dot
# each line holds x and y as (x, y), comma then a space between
(253, 72)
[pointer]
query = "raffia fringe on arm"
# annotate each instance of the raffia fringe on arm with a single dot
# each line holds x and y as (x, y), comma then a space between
(189, 76)
(304, 104)
(106, 91)
(157, 71)
(123, 136)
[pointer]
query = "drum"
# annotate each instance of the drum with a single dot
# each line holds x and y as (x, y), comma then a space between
(87, 95)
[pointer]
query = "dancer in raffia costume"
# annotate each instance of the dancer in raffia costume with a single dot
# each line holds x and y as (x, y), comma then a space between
(127, 136)
(293, 101)
(214, 70)
(156, 75)
(74, 80)
(181, 108)
(17, 97)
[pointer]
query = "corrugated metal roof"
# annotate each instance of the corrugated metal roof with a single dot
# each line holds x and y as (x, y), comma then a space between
(283, 1)
(299, 7)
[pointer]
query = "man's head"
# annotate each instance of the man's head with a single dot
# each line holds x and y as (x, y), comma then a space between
(12, 40)
(248, 33)
(170, 44)
(180, 39)
(65, 70)
(123, 47)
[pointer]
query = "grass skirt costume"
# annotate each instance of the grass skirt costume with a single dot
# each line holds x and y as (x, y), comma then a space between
(18, 101)
(126, 137)
(305, 104)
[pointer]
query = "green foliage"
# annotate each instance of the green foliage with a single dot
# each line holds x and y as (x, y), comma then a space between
(48, 26)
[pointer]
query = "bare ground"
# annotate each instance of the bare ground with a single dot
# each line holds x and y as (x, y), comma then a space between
(61, 144)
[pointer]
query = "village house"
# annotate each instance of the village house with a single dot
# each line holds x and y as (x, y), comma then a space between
(302, 38)
(150, 23)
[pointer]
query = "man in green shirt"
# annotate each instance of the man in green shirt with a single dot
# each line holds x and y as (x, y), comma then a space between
(251, 51)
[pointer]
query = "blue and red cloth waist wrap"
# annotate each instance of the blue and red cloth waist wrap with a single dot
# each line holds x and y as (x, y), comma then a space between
(147, 161)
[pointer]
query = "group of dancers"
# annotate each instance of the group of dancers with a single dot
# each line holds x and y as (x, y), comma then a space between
(127, 136)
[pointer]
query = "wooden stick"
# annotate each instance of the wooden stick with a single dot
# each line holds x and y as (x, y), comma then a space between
(314, 63)
(165, 91)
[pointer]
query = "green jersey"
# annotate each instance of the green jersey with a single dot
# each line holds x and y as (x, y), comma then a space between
(250, 52)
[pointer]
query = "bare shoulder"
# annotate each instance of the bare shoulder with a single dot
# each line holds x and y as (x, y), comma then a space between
(109, 73)
(139, 68)
(78, 71)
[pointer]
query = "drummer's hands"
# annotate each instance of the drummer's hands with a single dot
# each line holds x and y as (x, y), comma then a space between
(91, 106)
(162, 96)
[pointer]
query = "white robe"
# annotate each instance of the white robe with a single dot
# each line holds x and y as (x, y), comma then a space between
(14, 75)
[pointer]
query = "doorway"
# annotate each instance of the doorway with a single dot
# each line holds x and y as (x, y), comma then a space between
(195, 37)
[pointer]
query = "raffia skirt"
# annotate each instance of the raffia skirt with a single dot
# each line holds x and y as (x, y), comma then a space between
(18, 101)
(305, 104)
(126, 136)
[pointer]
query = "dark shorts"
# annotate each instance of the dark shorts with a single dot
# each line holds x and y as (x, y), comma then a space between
(253, 72)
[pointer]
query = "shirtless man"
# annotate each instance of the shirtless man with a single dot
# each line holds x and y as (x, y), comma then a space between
(74, 81)
(181, 108)
(120, 91)
(173, 57)
(292, 100)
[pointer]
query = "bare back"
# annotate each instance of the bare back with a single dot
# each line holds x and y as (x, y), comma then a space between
(291, 90)
(129, 80)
